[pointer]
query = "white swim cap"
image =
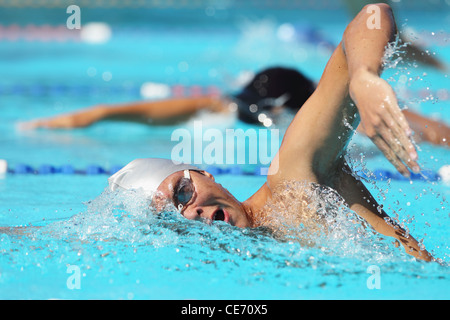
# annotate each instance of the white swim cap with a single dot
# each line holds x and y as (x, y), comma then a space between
(146, 174)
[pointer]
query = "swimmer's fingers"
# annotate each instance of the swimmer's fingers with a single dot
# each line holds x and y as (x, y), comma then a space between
(78, 119)
(43, 123)
(24, 126)
(402, 129)
(391, 155)
(399, 142)
(400, 118)
(68, 121)
(391, 125)
(33, 124)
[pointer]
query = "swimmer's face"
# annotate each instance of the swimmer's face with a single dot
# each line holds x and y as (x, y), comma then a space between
(209, 199)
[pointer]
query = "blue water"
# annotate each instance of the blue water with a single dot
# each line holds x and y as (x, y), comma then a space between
(127, 252)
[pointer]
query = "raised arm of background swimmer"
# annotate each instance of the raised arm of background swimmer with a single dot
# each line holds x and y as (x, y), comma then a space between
(139, 112)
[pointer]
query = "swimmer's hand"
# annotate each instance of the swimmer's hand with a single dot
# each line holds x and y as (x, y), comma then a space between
(79, 119)
(383, 121)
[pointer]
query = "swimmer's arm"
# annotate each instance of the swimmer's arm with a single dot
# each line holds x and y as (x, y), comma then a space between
(413, 51)
(384, 123)
(427, 129)
(362, 202)
(317, 137)
(136, 112)
(165, 109)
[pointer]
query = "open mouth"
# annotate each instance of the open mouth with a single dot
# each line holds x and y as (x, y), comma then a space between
(220, 215)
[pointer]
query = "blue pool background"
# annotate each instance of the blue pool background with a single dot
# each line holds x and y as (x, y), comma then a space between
(189, 44)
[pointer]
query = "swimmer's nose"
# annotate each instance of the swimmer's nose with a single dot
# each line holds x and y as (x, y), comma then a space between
(198, 212)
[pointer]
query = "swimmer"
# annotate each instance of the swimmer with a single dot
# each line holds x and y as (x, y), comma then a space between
(271, 91)
(276, 92)
(312, 149)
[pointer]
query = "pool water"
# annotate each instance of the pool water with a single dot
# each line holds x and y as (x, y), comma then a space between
(85, 243)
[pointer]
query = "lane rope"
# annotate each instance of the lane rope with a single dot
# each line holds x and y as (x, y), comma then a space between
(147, 90)
(443, 174)
(151, 90)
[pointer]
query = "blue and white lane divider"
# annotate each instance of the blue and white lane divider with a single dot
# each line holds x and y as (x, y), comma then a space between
(443, 173)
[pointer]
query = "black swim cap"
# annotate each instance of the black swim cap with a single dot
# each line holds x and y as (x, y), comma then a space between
(271, 87)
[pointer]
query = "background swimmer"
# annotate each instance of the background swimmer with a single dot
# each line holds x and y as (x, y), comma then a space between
(272, 91)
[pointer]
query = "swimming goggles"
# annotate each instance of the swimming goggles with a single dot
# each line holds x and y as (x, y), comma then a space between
(263, 110)
(183, 192)
(270, 103)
